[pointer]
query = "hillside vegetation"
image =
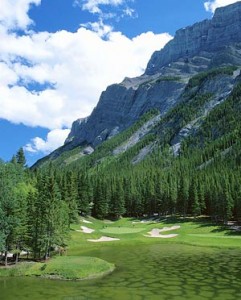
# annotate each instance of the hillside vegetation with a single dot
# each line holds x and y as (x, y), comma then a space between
(201, 177)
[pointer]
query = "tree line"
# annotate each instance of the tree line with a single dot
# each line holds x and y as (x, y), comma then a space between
(38, 206)
(34, 217)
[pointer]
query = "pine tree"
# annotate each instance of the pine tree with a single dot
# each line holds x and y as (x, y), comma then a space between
(183, 195)
(9, 220)
(196, 209)
(118, 200)
(20, 158)
(71, 197)
(48, 218)
(101, 207)
(84, 195)
(229, 202)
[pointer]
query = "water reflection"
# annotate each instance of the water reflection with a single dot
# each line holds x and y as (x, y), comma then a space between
(150, 272)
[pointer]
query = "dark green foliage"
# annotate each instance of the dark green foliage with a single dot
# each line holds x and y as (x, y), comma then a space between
(48, 216)
(20, 158)
(85, 194)
(101, 206)
(33, 215)
(198, 79)
(117, 203)
(71, 195)
(168, 78)
(12, 202)
(161, 79)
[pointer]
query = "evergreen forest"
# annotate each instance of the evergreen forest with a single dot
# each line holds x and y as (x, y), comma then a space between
(38, 205)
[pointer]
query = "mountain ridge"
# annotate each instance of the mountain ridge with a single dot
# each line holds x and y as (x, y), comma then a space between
(166, 75)
(122, 105)
(206, 36)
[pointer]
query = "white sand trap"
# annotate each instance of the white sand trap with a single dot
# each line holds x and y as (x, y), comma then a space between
(85, 229)
(162, 236)
(103, 239)
(169, 228)
(85, 221)
(10, 255)
(155, 233)
(142, 222)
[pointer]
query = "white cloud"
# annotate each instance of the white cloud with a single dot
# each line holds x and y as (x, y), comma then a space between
(129, 12)
(99, 27)
(93, 6)
(14, 13)
(79, 68)
(212, 5)
(108, 9)
(55, 139)
(72, 69)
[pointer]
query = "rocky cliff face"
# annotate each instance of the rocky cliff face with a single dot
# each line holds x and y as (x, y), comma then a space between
(204, 45)
(205, 38)
(120, 106)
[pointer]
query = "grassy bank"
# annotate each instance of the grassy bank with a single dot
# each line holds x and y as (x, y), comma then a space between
(61, 267)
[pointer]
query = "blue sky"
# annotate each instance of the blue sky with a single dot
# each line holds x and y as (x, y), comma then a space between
(56, 56)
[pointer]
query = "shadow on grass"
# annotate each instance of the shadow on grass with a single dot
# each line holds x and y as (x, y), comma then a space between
(201, 221)
(205, 221)
(233, 232)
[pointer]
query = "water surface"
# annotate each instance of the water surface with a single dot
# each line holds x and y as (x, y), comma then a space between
(162, 272)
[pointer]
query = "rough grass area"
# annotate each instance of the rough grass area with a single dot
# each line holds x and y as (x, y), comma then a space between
(62, 267)
(15, 270)
(121, 230)
(193, 231)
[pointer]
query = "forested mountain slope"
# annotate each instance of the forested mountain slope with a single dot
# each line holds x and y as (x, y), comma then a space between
(168, 141)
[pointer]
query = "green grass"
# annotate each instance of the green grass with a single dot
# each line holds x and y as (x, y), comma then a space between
(197, 232)
(81, 263)
(215, 236)
(121, 230)
(17, 270)
(62, 267)
(71, 267)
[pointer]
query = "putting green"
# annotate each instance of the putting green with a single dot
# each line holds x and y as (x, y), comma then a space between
(121, 230)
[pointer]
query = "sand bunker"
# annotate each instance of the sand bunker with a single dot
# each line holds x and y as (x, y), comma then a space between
(155, 233)
(85, 221)
(85, 229)
(169, 228)
(11, 255)
(103, 239)
(142, 222)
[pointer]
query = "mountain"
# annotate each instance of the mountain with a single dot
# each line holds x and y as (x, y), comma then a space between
(205, 45)
(168, 141)
(208, 52)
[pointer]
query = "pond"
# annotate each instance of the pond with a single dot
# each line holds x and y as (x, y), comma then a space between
(144, 272)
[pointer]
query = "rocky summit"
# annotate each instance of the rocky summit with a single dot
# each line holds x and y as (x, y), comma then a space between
(212, 40)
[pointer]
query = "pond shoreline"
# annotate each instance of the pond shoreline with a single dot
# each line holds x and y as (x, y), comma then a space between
(60, 271)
